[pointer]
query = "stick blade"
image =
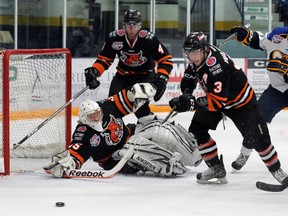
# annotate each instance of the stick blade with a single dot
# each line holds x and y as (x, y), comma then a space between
(272, 187)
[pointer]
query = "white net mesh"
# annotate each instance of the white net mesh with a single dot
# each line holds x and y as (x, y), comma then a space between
(37, 89)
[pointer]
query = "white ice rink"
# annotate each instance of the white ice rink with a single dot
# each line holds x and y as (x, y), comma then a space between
(35, 193)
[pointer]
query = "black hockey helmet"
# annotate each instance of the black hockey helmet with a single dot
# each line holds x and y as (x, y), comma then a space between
(195, 41)
(132, 17)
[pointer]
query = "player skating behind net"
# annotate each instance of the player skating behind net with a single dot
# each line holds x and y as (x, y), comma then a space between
(161, 148)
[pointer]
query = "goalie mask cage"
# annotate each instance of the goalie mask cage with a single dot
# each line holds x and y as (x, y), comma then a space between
(34, 84)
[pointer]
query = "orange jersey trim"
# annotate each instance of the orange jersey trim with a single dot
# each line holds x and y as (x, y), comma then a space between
(77, 156)
(99, 67)
(165, 58)
(119, 106)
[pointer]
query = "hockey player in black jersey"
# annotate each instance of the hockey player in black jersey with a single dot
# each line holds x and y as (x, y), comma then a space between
(139, 52)
(102, 135)
(228, 92)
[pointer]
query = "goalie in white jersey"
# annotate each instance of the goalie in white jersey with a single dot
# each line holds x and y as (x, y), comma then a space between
(275, 97)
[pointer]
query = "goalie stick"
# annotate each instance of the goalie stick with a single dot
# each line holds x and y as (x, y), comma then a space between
(272, 187)
(16, 145)
(100, 174)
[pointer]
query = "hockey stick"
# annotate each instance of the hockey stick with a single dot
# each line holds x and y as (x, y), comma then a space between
(231, 37)
(16, 145)
(172, 112)
(272, 187)
(169, 115)
(100, 174)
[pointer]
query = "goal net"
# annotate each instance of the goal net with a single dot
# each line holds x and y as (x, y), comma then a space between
(35, 84)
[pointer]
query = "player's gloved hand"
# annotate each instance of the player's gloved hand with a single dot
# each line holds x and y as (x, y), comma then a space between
(91, 75)
(243, 35)
(278, 65)
(159, 82)
(189, 81)
(202, 103)
(183, 103)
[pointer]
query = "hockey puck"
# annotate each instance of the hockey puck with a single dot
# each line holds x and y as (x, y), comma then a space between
(60, 204)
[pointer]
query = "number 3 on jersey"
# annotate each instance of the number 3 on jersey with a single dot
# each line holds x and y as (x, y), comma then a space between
(218, 87)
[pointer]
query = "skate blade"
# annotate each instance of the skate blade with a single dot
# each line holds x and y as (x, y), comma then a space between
(213, 181)
(235, 171)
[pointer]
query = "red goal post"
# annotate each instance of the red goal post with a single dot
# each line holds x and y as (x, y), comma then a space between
(34, 84)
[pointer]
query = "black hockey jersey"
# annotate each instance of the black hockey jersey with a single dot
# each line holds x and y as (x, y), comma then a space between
(225, 84)
(137, 58)
(87, 142)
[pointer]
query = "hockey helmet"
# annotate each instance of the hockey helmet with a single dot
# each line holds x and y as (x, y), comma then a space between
(193, 42)
(90, 114)
(132, 17)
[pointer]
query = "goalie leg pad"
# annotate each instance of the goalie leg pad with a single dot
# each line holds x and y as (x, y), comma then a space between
(152, 157)
(60, 163)
(172, 137)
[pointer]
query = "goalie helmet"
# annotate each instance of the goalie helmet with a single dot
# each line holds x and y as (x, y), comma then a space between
(90, 114)
(132, 17)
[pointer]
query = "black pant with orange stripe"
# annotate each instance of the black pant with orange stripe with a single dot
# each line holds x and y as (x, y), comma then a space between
(250, 122)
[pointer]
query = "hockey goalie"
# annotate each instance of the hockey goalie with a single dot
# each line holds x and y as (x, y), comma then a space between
(151, 146)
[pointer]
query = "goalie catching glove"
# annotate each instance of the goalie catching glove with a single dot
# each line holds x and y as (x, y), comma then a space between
(243, 34)
(91, 75)
(159, 82)
(280, 66)
(60, 163)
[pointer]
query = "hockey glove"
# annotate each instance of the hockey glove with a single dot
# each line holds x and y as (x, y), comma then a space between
(243, 34)
(278, 65)
(91, 75)
(183, 103)
(159, 82)
(189, 81)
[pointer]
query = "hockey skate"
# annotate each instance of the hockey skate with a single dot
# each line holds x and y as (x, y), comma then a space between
(279, 175)
(239, 162)
(214, 175)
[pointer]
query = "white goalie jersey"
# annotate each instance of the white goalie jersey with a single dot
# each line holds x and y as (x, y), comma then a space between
(163, 148)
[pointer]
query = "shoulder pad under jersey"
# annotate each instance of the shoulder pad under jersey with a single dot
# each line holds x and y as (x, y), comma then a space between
(116, 33)
(146, 34)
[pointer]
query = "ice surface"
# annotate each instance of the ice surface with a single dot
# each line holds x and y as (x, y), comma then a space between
(35, 193)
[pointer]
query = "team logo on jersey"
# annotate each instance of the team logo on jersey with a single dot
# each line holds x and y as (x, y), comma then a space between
(143, 33)
(211, 61)
(132, 59)
(117, 45)
(277, 39)
(95, 140)
(121, 32)
(113, 133)
(82, 128)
